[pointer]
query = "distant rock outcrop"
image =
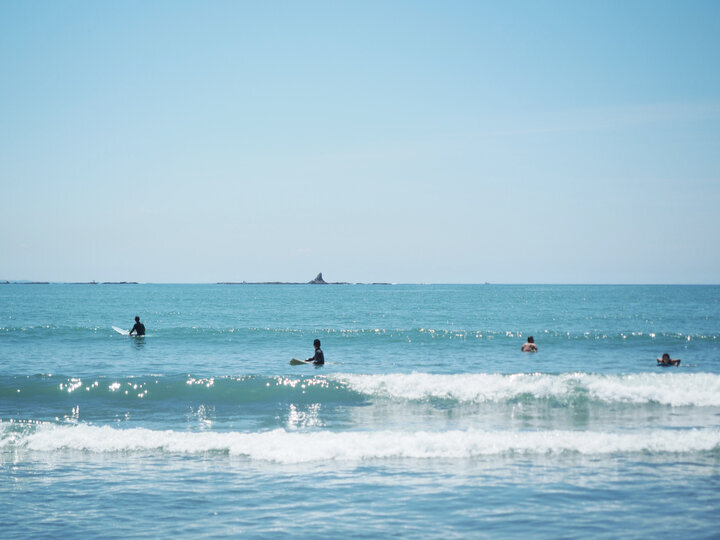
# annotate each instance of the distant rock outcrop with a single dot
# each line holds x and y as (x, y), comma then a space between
(318, 280)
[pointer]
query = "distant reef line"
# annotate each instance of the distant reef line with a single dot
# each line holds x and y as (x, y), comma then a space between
(10, 282)
(318, 280)
(23, 282)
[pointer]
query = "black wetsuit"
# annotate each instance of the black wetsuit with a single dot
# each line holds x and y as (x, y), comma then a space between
(139, 328)
(319, 357)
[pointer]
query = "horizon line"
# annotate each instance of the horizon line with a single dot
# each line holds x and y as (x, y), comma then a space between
(233, 283)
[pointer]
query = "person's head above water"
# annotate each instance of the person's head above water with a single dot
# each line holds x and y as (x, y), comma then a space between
(316, 343)
(666, 356)
(137, 319)
(531, 339)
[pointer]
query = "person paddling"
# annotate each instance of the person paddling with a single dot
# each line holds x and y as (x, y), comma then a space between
(667, 361)
(139, 327)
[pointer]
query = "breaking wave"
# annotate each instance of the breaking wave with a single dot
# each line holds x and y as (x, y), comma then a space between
(673, 389)
(283, 446)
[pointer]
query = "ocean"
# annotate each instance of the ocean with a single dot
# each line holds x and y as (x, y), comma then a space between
(427, 421)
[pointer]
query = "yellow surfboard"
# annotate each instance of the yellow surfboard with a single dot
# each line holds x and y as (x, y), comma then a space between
(296, 362)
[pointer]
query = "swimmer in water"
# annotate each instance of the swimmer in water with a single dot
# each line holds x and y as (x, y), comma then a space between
(529, 346)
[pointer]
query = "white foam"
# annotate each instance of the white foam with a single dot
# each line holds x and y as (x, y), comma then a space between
(296, 447)
(676, 389)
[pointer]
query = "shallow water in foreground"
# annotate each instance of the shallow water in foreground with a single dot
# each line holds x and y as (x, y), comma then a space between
(426, 421)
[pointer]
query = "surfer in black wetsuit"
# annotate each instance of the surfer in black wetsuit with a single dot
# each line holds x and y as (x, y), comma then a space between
(139, 327)
(319, 357)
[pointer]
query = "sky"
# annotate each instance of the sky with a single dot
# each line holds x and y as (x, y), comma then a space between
(394, 141)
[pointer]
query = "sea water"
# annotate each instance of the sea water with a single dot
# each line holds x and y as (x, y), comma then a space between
(427, 421)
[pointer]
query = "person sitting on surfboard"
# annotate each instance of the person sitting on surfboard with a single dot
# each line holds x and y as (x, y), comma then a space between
(139, 327)
(319, 357)
(667, 361)
(529, 346)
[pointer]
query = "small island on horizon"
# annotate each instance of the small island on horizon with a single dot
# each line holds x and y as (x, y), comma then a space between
(318, 280)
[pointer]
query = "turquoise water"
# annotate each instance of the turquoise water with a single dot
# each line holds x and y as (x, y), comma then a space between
(426, 421)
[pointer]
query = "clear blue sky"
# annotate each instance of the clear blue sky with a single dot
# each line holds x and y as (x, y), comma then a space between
(403, 141)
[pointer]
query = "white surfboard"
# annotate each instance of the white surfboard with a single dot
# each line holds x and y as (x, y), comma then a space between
(121, 331)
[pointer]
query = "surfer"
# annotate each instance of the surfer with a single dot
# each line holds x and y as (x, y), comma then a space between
(529, 346)
(667, 361)
(139, 327)
(319, 357)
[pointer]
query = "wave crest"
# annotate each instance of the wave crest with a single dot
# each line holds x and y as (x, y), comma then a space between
(672, 389)
(667, 389)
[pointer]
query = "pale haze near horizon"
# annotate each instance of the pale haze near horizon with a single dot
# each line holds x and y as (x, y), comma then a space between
(438, 142)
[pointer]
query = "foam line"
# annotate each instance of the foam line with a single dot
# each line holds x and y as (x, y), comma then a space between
(296, 447)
